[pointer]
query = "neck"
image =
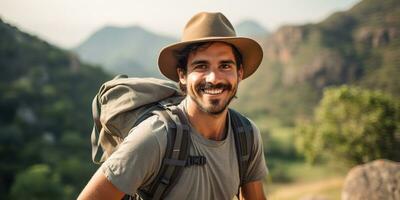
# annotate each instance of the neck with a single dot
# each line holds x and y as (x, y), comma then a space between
(208, 125)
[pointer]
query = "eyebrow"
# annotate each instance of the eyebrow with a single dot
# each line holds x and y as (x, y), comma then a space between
(199, 62)
(228, 62)
(206, 62)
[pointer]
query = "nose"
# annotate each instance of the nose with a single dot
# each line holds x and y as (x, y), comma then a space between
(213, 77)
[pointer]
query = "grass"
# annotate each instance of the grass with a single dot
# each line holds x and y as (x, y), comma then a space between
(291, 178)
(306, 180)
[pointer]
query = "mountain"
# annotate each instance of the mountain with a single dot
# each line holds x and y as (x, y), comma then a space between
(134, 50)
(45, 123)
(360, 46)
(131, 50)
(250, 28)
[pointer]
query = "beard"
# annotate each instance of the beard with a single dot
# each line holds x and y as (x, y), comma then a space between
(217, 106)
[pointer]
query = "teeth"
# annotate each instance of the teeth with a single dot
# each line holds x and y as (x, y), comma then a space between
(213, 91)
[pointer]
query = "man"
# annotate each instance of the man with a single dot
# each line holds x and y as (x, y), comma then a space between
(208, 63)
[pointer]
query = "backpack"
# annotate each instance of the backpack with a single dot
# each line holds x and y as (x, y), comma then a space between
(122, 103)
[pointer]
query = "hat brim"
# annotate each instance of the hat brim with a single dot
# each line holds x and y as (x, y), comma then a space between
(251, 55)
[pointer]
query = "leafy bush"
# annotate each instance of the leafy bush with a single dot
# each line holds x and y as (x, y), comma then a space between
(37, 182)
(352, 125)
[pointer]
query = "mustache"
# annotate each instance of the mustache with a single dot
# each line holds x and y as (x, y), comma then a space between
(205, 86)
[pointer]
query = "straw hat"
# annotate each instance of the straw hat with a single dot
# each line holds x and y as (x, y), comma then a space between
(207, 27)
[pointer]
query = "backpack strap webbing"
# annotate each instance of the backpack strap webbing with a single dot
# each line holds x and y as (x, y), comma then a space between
(176, 154)
(244, 139)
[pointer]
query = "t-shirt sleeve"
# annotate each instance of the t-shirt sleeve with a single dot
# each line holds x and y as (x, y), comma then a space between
(257, 169)
(135, 163)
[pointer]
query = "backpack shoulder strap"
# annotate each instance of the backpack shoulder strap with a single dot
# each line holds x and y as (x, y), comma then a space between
(244, 139)
(176, 154)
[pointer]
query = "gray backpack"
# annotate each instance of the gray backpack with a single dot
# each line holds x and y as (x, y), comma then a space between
(122, 103)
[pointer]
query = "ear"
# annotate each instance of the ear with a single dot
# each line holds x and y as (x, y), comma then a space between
(182, 75)
(240, 73)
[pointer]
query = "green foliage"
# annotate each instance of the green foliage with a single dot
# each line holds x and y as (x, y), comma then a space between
(356, 47)
(46, 95)
(38, 182)
(45, 106)
(352, 125)
(279, 149)
(308, 142)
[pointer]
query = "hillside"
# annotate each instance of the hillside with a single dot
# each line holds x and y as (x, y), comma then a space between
(46, 94)
(360, 46)
(250, 28)
(134, 50)
(45, 109)
(131, 50)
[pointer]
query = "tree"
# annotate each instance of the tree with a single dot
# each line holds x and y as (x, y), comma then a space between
(37, 182)
(352, 125)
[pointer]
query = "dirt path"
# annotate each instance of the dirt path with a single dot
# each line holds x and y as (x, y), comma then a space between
(298, 190)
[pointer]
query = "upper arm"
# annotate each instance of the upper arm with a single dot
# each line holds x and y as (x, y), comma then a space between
(253, 191)
(134, 164)
(99, 187)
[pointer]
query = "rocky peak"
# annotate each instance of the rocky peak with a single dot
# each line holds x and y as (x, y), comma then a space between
(282, 45)
(376, 37)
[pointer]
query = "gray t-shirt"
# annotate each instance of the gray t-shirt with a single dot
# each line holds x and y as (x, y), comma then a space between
(138, 158)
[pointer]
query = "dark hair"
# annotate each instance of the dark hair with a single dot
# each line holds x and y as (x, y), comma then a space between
(183, 55)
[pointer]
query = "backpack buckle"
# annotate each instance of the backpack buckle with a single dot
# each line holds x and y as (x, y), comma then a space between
(196, 160)
(164, 181)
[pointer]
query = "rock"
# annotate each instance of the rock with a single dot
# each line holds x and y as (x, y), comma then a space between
(376, 37)
(377, 180)
(283, 45)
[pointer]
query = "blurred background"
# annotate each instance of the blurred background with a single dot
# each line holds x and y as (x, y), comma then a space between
(326, 97)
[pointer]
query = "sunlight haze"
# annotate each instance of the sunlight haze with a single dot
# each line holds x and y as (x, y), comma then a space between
(68, 23)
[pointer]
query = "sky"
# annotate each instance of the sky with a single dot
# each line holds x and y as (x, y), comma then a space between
(67, 23)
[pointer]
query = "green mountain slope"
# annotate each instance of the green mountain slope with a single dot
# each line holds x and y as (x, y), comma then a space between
(132, 50)
(45, 109)
(360, 46)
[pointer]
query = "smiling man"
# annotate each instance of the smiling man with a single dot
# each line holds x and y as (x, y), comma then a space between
(211, 76)
(209, 72)
(208, 64)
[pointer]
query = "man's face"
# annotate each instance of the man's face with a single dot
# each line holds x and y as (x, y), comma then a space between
(212, 77)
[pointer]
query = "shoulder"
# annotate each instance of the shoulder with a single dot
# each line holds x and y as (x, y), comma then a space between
(147, 137)
(137, 159)
(245, 119)
(149, 132)
(256, 132)
(257, 139)
(248, 122)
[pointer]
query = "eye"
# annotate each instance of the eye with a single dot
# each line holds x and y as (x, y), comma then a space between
(226, 66)
(200, 67)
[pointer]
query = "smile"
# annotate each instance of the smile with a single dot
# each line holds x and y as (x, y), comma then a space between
(213, 91)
